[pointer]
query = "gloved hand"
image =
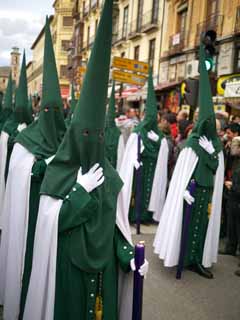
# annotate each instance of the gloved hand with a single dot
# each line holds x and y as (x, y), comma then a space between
(153, 136)
(143, 270)
(21, 126)
(48, 160)
(206, 145)
(188, 198)
(92, 179)
(137, 164)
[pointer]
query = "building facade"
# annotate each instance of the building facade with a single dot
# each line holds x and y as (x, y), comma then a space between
(62, 29)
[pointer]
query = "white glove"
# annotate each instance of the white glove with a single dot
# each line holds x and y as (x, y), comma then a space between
(48, 160)
(153, 136)
(137, 164)
(143, 270)
(92, 179)
(206, 145)
(188, 198)
(21, 127)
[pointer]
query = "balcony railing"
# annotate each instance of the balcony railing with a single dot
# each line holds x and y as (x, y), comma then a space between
(177, 42)
(214, 22)
(120, 36)
(149, 21)
(135, 28)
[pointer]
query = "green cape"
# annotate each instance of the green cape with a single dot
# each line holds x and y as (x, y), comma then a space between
(205, 126)
(43, 136)
(112, 133)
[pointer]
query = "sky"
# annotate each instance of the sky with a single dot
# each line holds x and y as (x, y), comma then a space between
(20, 23)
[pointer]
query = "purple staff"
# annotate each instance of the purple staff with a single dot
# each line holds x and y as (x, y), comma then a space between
(186, 222)
(138, 281)
(138, 187)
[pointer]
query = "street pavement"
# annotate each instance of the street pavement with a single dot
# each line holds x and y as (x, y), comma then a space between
(192, 297)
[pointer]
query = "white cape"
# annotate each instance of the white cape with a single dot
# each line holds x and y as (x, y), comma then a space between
(126, 172)
(120, 152)
(41, 293)
(168, 237)
(3, 159)
(15, 223)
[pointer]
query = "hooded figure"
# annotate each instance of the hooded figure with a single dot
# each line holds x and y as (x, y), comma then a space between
(202, 161)
(153, 156)
(72, 107)
(33, 149)
(114, 143)
(5, 114)
(75, 268)
(17, 121)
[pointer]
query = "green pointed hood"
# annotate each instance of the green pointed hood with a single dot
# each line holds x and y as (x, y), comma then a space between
(83, 144)
(150, 121)
(73, 100)
(1, 99)
(21, 111)
(30, 107)
(205, 126)
(112, 133)
(7, 103)
(43, 137)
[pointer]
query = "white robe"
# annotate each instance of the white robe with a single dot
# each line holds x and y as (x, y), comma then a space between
(168, 237)
(126, 172)
(3, 159)
(40, 303)
(15, 224)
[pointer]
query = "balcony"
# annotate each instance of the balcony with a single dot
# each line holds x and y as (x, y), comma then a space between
(237, 26)
(120, 36)
(177, 42)
(214, 22)
(135, 29)
(150, 21)
(75, 11)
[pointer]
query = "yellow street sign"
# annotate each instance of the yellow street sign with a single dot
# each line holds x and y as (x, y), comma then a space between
(126, 77)
(131, 65)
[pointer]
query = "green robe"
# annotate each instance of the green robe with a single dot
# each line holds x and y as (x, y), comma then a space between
(200, 212)
(77, 288)
(38, 171)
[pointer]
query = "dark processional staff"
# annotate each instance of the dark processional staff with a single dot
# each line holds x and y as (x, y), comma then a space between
(188, 232)
(82, 268)
(33, 149)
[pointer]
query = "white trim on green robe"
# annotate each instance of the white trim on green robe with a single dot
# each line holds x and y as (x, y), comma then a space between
(40, 303)
(15, 225)
(168, 237)
(126, 173)
(3, 159)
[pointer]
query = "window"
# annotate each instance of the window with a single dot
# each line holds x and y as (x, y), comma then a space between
(67, 21)
(212, 7)
(125, 22)
(182, 21)
(151, 54)
(139, 14)
(155, 10)
(136, 52)
(123, 54)
(65, 45)
(63, 71)
(237, 23)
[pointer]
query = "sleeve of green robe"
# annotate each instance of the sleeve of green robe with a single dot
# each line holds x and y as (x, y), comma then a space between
(212, 161)
(77, 208)
(124, 251)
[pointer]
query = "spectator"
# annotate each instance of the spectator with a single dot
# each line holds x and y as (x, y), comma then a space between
(236, 119)
(182, 115)
(184, 127)
(233, 207)
(171, 119)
